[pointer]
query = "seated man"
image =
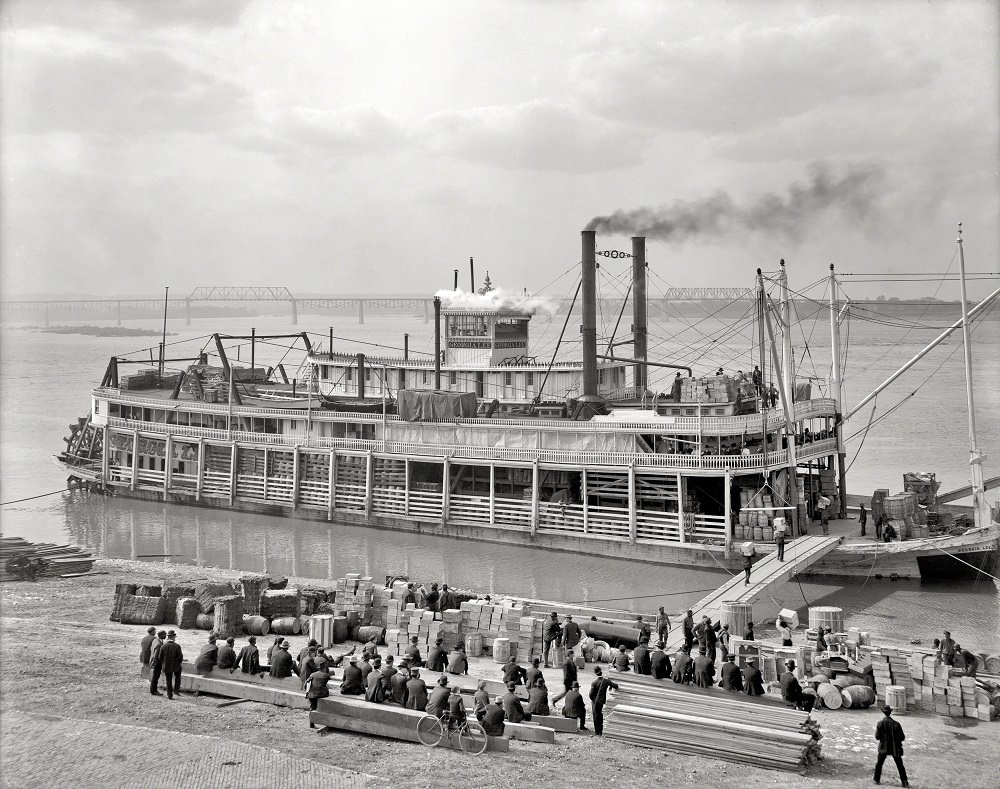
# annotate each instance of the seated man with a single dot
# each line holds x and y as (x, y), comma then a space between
(493, 718)
(456, 709)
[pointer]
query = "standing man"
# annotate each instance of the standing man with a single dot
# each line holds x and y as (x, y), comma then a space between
(249, 658)
(433, 596)
(643, 628)
(711, 639)
(146, 645)
(598, 698)
(316, 689)
(753, 682)
(436, 656)
(755, 376)
(747, 566)
(791, 690)
(569, 670)
(863, 517)
(688, 625)
(724, 637)
(551, 633)
(659, 663)
(749, 636)
(947, 652)
(155, 664)
(513, 674)
(879, 523)
(662, 627)
(784, 632)
(640, 660)
(890, 738)
(570, 632)
(171, 658)
(411, 597)
(779, 540)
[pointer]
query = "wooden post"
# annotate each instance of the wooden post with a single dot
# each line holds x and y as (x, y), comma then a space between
(680, 506)
(233, 466)
(332, 482)
(265, 474)
(534, 497)
(406, 487)
(201, 470)
(135, 458)
(583, 494)
(445, 489)
(295, 477)
(632, 517)
(493, 494)
(105, 456)
(369, 483)
(168, 463)
(727, 502)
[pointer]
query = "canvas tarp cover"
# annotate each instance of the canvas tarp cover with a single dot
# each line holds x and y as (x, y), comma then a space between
(802, 392)
(434, 406)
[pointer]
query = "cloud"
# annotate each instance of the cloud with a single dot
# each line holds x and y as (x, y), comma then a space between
(354, 130)
(749, 75)
(537, 135)
(126, 14)
(135, 92)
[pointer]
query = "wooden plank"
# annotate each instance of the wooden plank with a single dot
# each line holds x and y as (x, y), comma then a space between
(403, 729)
(231, 702)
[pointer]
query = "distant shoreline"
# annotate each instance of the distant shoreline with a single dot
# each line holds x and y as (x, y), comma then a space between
(103, 331)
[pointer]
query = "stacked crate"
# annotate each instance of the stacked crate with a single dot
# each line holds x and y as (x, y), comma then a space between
(957, 696)
(503, 620)
(529, 637)
(381, 598)
(354, 594)
(712, 389)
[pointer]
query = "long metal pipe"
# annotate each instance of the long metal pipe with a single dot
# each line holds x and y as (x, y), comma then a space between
(933, 344)
(975, 458)
(588, 330)
(472, 276)
(639, 309)
(437, 338)
(645, 363)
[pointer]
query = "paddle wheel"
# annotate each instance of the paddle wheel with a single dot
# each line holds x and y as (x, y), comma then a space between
(84, 444)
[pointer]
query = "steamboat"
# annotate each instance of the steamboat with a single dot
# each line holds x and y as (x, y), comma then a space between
(482, 440)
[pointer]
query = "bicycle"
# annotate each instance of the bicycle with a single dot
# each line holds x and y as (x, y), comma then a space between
(471, 736)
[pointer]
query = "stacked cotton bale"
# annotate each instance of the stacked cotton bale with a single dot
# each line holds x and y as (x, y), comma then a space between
(172, 594)
(121, 592)
(252, 587)
(143, 610)
(280, 603)
(188, 609)
(229, 616)
(205, 594)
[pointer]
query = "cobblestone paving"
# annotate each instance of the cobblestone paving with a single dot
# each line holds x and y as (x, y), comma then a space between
(43, 751)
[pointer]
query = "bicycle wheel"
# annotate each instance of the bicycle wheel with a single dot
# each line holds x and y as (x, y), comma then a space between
(472, 738)
(429, 730)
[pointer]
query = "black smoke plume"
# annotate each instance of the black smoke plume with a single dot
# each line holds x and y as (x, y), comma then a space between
(855, 192)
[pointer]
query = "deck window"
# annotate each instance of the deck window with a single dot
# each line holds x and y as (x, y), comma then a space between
(507, 379)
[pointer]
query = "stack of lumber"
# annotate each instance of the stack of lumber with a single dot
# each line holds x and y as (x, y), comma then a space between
(60, 559)
(656, 714)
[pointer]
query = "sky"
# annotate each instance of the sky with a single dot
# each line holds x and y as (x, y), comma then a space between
(347, 148)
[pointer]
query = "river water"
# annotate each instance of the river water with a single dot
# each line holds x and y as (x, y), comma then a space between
(47, 377)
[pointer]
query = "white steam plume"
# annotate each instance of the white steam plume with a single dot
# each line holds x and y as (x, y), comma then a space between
(496, 299)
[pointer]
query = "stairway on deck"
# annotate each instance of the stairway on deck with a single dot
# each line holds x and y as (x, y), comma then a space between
(767, 573)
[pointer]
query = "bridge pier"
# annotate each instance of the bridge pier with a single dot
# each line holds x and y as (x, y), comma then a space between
(295, 312)
(361, 312)
(118, 304)
(46, 316)
(187, 312)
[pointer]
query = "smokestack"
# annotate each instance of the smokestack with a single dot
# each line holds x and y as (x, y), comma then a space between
(437, 336)
(456, 279)
(361, 375)
(589, 328)
(639, 308)
(472, 276)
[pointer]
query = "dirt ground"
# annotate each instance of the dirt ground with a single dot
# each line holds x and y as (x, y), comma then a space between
(61, 656)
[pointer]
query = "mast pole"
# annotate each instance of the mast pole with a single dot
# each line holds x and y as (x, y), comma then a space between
(437, 338)
(836, 387)
(761, 360)
(589, 327)
(639, 329)
(788, 368)
(787, 361)
(975, 456)
(163, 345)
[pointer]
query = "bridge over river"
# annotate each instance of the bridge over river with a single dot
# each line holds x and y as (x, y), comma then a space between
(125, 308)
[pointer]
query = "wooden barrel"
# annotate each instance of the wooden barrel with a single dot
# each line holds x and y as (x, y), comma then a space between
(229, 616)
(736, 615)
(981, 658)
(367, 633)
(254, 625)
(830, 695)
(827, 616)
(321, 628)
(205, 621)
(474, 644)
(558, 654)
(340, 629)
(895, 697)
(856, 696)
(286, 626)
(501, 650)
(993, 664)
